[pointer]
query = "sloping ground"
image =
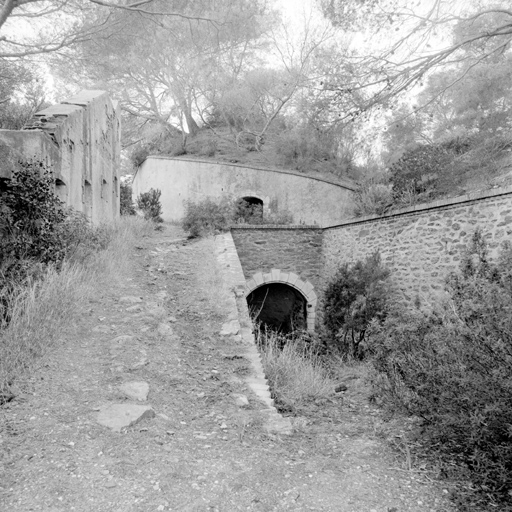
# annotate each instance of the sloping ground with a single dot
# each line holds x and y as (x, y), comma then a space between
(203, 448)
(221, 148)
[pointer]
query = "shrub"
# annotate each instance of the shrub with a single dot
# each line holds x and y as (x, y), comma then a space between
(31, 216)
(356, 295)
(126, 203)
(139, 155)
(373, 199)
(207, 217)
(249, 213)
(418, 171)
(303, 147)
(149, 204)
(38, 232)
(453, 368)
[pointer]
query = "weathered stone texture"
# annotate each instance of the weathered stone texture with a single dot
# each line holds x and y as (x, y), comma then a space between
(310, 200)
(79, 140)
(289, 249)
(423, 245)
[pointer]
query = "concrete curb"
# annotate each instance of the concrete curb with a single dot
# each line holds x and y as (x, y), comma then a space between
(235, 292)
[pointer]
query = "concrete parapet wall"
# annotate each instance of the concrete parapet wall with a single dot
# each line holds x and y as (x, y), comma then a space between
(421, 245)
(310, 200)
(79, 141)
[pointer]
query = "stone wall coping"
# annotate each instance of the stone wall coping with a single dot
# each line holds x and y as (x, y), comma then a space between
(267, 169)
(262, 227)
(434, 205)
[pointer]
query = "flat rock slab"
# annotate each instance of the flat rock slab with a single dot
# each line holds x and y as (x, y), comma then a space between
(230, 328)
(136, 390)
(130, 299)
(164, 329)
(134, 309)
(119, 416)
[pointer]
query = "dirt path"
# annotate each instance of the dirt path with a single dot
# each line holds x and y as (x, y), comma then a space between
(201, 451)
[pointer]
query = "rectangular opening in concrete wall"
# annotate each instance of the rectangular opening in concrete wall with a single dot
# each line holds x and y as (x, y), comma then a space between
(115, 194)
(104, 190)
(3, 184)
(87, 198)
(61, 190)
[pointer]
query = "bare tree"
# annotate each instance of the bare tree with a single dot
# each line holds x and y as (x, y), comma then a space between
(475, 34)
(51, 25)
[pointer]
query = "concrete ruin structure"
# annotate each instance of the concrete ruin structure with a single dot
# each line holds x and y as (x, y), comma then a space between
(78, 141)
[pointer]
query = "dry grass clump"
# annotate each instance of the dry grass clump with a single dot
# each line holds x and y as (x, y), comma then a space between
(42, 311)
(294, 370)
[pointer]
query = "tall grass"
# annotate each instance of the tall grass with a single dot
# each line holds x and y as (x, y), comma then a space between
(294, 369)
(42, 311)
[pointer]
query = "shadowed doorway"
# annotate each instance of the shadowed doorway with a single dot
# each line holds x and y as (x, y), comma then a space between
(278, 306)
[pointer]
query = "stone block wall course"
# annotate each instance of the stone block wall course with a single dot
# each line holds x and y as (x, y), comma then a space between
(290, 249)
(423, 244)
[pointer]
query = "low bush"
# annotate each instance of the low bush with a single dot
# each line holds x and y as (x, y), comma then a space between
(453, 368)
(127, 207)
(149, 204)
(373, 198)
(32, 217)
(357, 294)
(208, 217)
(38, 232)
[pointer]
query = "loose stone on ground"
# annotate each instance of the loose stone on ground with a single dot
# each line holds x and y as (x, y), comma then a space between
(136, 390)
(119, 416)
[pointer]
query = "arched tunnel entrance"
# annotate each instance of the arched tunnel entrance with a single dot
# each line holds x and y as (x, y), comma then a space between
(279, 307)
(285, 300)
(249, 209)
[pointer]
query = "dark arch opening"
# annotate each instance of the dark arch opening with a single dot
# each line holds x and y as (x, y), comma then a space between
(279, 307)
(249, 210)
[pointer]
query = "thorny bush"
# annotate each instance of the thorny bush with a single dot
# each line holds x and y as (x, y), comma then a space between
(453, 368)
(356, 295)
(149, 204)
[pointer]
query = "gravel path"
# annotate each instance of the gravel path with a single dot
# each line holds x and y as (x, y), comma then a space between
(202, 447)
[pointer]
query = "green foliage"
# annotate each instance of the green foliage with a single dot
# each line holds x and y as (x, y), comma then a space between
(303, 148)
(149, 204)
(207, 217)
(38, 231)
(373, 198)
(417, 172)
(248, 213)
(32, 216)
(139, 155)
(453, 368)
(357, 295)
(126, 204)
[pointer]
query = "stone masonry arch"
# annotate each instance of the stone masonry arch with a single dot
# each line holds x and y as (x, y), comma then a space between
(293, 280)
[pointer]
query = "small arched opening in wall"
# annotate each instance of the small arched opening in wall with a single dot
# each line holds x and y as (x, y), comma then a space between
(282, 301)
(249, 208)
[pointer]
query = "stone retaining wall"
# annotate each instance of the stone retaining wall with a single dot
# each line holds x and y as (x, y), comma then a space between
(421, 245)
(296, 249)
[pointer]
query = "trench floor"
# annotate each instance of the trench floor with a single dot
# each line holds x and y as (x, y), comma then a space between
(202, 451)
